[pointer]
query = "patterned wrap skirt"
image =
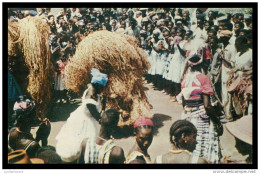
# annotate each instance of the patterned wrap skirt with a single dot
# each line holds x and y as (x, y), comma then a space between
(208, 145)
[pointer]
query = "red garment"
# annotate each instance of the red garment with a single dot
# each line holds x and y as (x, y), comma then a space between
(206, 53)
(61, 66)
(205, 85)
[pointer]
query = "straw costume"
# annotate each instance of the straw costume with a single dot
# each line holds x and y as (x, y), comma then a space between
(29, 59)
(118, 56)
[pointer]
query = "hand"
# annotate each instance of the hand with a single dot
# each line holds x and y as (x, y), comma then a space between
(43, 131)
(219, 129)
(68, 46)
(170, 39)
(160, 46)
(56, 48)
(227, 160)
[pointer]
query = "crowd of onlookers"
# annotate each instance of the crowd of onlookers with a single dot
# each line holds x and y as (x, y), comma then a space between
(187, 49)
(163, 33)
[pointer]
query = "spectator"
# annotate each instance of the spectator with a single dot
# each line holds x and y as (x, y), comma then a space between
(144, 136)
(71, 135)
(183, 138)
(103, 150)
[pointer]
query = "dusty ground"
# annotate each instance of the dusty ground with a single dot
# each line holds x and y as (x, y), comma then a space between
(165, 113)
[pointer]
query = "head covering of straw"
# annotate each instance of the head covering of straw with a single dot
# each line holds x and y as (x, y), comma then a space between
(118, 56)
(143, 121)
(98, 77)
(29, 42)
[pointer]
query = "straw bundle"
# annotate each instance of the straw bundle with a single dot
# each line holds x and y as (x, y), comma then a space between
(123, 61)
(28, 42)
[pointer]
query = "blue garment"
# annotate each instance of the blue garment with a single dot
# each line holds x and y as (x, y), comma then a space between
(14, 90)
(98, 77)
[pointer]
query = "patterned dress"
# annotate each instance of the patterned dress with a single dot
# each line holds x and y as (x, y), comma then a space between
(96, 154)
(193, 85)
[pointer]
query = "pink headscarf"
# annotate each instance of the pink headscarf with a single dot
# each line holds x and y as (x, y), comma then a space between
(143, 121)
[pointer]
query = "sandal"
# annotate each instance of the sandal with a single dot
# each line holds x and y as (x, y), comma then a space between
(173, 99)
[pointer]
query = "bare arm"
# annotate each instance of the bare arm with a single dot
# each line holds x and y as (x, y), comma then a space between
(94, 112)
(209, 109)
(181, 51)
(212, 114)
(226, 63)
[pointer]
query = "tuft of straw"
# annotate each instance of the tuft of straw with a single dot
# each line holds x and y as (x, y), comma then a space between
(118, 56)
(29, 51)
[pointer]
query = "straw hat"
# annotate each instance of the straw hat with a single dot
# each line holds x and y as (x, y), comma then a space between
(241, 129)
(21, 157)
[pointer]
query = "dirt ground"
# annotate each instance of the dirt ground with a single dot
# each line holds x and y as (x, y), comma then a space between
(165, 113)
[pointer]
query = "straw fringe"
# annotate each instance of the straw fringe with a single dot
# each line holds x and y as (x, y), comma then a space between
(118, 56)
(28, 41)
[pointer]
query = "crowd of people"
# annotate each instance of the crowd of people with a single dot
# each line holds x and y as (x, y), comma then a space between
(198, 57)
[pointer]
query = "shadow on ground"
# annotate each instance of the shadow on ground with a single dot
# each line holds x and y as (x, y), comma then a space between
(158, 120)
(146, 89)
(61, 112)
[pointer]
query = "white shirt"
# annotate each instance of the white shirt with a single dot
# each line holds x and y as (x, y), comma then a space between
(244, 61)
(200, 34)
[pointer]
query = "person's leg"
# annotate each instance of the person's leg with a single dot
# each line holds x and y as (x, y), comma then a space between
(153, 79)
(173, 91)
(167, 86)
(160, 83)
(59, 96)
(149, 78)
(156, 79)
(226, 100)
(145, 76)
(177, 91)
(177, 88)
(65, 96)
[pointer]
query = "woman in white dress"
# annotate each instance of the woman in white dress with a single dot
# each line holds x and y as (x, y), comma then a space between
(84, 121)
(177, 62)
(156, 57)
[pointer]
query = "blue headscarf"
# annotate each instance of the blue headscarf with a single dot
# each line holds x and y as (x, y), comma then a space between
(98, 77)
